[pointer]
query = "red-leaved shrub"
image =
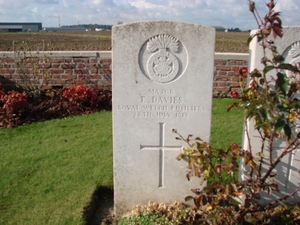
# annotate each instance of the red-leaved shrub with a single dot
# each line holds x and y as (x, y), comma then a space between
(13, 101)
(81, 95)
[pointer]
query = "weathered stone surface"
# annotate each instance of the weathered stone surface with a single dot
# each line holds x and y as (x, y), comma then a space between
(287, 171)
(162, 79)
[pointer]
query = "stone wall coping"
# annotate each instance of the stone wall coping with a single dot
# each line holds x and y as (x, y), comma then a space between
(231, 56)
(107, 54)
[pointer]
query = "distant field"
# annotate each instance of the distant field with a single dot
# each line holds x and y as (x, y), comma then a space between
(232, 42)
(100, 40)
(58, 41)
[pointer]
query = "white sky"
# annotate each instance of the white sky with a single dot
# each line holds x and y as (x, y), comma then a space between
(226, 13)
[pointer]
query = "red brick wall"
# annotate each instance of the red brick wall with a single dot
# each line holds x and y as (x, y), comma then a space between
(225, 76)
(67, 68)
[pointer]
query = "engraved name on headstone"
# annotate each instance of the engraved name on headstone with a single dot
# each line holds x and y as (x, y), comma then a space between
(162, 79)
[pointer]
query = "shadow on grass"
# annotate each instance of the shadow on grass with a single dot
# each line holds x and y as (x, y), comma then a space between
(99, 207)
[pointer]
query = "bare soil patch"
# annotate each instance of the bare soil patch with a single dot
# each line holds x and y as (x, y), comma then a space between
(232, 42)
(57, 41)
(100, 40)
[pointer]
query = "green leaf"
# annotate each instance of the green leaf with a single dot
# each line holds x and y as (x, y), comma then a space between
(258, 106)
(287, 131)
(235, 200)
(282, 83)
(259, 125)
(281, 106)
(279, 59)
(259, 38)
(268, 69)
(269, 117)
(279, 124)
(255, 73)
(287, 66)
(249, 94)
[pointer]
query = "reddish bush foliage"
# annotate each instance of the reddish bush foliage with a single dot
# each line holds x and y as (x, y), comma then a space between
(234, 94)
(80, 95)
(13, 101)
(52, 105)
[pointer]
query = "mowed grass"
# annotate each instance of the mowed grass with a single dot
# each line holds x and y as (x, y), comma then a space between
(226, 127)
(49, 170)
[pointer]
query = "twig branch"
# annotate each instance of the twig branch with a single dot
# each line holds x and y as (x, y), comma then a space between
(282, 199)
(285, 152)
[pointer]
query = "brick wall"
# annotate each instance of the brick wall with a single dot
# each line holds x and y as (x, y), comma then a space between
(225, 76)
(67, 68)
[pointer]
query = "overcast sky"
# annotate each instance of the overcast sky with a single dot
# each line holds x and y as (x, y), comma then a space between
(226, 13)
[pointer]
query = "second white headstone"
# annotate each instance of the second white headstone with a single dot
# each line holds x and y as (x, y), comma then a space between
(287, 176)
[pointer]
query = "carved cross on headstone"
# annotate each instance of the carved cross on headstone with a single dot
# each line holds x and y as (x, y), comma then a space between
(150, 76)
(161, 148)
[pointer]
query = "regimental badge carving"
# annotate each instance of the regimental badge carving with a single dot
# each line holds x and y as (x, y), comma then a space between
(294, 59)
(163, 65)
(295, 50)
(163, 58)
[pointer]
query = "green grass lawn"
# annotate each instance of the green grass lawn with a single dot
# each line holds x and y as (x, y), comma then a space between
(226, 127)
(49, 170)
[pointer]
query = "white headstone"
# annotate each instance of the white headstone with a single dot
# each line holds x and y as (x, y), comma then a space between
(162, 79)
(287, 177)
